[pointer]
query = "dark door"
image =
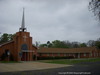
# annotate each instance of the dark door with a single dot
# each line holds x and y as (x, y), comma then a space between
(24, 57)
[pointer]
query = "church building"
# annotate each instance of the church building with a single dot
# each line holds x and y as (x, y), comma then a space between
(20, 48)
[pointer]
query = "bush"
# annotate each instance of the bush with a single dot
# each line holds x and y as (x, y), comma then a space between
(54, 57)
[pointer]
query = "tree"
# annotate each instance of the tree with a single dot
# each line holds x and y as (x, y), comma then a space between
(68, 43)
(64, 44)
(37, 43)
(91, 43)
(83, 45)
(43, 45)
(97, 43)
(59, 44)
(6, 37)
(10, 37)
(49, 44)
(94, 6)
(75, 44)
(56, 44)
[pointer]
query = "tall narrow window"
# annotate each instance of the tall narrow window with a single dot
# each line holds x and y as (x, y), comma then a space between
(91, 54)
(48, 54)
(58, 54)
(64, 54)
(84, 54)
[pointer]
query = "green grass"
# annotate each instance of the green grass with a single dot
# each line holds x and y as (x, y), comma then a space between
(9, 62)
(71, 61)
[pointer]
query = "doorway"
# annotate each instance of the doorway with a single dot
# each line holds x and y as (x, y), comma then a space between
(24, 56)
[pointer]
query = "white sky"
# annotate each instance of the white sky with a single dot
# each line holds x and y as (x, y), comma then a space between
(49, 20)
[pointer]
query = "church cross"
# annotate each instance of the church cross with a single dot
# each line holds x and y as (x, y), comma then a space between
(25, 38)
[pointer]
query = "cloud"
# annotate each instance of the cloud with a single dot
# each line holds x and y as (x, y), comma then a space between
(49, 20)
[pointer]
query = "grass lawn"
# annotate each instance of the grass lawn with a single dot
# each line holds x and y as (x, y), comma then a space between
(71, 61)
(9, 62)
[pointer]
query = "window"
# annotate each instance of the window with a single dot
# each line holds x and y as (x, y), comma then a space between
(64, 54)
(7, 52)
(24, 47)
(78, 55)
(69, 54)
(58, 54)
(52, 54)
(84, 54)
(91, 54)
(40, 54)
(48, 54)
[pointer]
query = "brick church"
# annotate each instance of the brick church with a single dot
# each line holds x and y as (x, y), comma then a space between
(21, 49)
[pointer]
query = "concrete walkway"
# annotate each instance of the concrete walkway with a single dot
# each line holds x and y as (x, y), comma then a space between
(25, 66)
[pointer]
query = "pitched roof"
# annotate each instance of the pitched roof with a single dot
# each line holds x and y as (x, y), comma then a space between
(66, 50)
(34, 46)
(6, 43)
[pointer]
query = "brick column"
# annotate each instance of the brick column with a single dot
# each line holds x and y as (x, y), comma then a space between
(25, 57)
(29, 56)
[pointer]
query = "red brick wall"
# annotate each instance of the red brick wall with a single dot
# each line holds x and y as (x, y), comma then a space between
(10, 47)
(15, 47)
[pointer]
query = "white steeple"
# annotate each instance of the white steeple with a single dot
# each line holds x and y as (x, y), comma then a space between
(23, 23)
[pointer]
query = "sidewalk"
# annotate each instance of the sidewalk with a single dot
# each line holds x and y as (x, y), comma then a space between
(25, 66)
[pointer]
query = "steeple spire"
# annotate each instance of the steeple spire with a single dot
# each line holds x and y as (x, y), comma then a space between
(23, 23)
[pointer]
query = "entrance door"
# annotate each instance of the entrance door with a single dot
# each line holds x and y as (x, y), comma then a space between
(24, 47)
(24, 56)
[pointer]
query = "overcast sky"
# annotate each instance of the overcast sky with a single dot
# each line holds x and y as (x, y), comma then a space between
(49, 20)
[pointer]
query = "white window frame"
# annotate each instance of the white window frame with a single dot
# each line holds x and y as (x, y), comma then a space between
(64, 54)
(52, 54)
(91, 54)
(48, 54)
(58, 54)
(84, 54)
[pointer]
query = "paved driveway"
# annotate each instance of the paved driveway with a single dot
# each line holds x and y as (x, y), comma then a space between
(92, 68)
(26, 66)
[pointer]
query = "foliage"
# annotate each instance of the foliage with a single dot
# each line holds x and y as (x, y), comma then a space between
(43, 45)
(75, 44)
(37, 44)
(94, 6)
(68, 44)
(91, 43)
(59, 44)
(6, 37)
(56, 43)
(49, 44)
(98, 44)
(83, 45)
